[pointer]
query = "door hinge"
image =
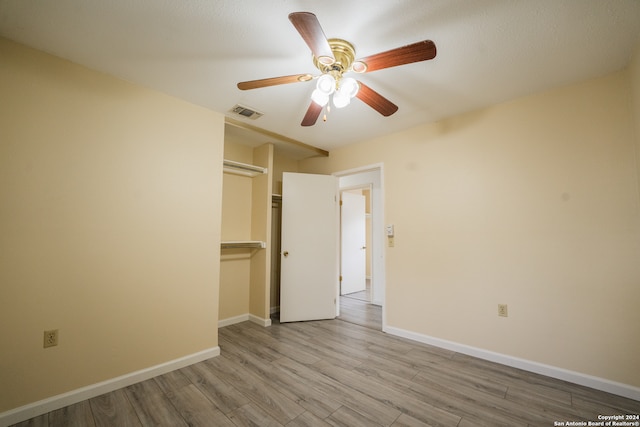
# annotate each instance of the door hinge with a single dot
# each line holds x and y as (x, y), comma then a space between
(341, 202)
(341, 278)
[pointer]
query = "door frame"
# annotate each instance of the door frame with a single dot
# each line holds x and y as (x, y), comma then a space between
(372, 175)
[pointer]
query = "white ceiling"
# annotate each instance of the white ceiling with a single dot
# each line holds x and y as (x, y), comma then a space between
(489, 51)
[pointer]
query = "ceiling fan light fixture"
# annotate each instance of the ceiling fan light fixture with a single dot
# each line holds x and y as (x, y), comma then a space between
(349, 87)
(326, 84)
(341, 99)
(319, 97)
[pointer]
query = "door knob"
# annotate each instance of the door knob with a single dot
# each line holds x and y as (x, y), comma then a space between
(285, 253)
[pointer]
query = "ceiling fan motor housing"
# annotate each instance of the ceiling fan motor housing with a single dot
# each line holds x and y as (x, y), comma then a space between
(344, 54)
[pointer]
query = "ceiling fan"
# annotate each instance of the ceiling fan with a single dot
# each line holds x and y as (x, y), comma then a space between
(336, 57)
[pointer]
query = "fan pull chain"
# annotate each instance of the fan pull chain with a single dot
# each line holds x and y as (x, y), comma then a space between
(324, 118)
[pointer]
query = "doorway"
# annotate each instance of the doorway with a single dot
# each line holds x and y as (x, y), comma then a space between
(355, 243)
(366, 307)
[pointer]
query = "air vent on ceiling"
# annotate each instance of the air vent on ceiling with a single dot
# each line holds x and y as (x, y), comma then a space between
(247, 112)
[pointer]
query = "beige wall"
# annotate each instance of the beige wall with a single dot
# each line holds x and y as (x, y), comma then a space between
(281, 163)
(533, 203)
(110, 222)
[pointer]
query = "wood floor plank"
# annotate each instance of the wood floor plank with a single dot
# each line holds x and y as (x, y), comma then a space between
(224, 396)
(405, 420)
(308, 420)
(475, 403)
(77, 415)
(257, 389)
(391, 397)
(506, 374)
(546, 404)
(464, 380)
(366, 315)
(172, 382)
(400, 369)
(429, 352)
(251, 415)
(263, 352)
(322, 350)
(455, 404)
(279, 347)
(302, 394)
(352, 398)
(354, 347)
(592, 403)
(540, 395)
(114, 409)
(347, 417)
(39, 421)
(361, 336)
(152, 406)
(196, 409)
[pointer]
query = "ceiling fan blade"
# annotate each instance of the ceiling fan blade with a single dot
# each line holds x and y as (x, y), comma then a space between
(376, 101)
(313, 112)
(416, 52)
(309, 28)
(255, 84)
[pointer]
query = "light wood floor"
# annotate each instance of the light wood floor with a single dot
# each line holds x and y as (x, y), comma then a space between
(357, 308)
(337, 373)
(361, 312)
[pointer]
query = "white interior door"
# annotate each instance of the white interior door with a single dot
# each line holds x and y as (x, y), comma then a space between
(353, 243)
(309, 245)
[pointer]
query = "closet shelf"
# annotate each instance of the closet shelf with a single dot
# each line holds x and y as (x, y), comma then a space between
(243, 244)
(244, 169)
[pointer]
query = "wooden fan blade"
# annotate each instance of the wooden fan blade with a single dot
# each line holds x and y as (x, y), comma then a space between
(376, 101)
(416, 52)
(309, 28)
(255, 84)
(312, 114)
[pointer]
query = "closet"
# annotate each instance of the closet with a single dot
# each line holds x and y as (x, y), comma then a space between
(251, 201)
(245, 259)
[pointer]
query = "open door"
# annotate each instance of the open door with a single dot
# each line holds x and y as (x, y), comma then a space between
(353, 231)
(309, 244)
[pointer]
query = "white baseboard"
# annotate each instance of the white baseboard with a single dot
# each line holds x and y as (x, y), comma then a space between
(243, 318)
(597, 383)
(260, 320)
(233, 320)
(35, 409)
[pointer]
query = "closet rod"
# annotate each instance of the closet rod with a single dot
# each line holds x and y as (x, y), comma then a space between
(242, 244)
(242, 168)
